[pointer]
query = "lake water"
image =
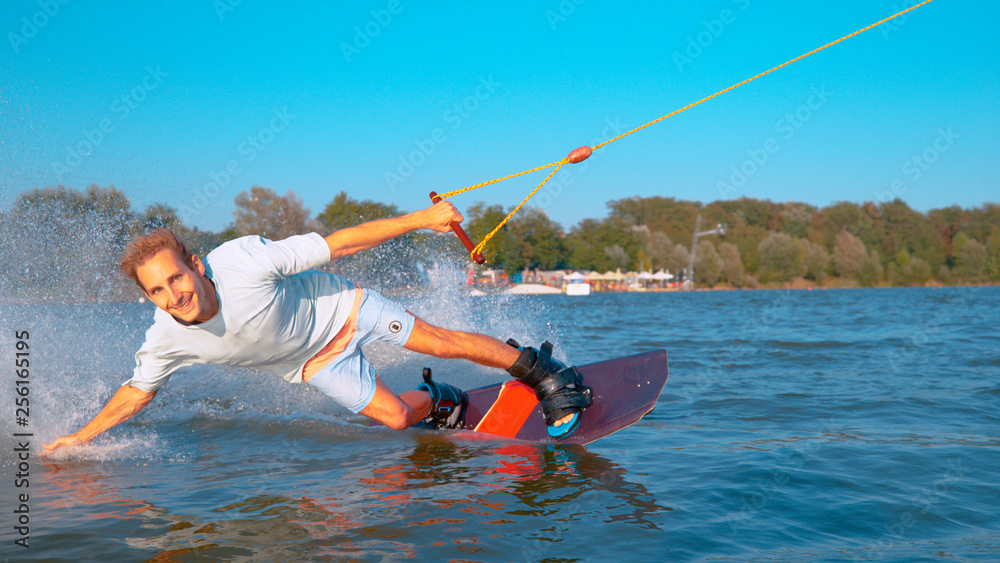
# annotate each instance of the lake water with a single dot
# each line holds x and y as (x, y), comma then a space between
(852, 425)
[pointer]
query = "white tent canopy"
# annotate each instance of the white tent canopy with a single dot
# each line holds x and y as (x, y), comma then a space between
(661, 275)
(617, 275)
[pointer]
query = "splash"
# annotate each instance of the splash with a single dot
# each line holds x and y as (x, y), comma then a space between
(59, 281)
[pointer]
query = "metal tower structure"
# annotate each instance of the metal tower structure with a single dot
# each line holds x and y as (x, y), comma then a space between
(720, 229)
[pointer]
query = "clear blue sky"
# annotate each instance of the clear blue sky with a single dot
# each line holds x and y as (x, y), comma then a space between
(334, 95)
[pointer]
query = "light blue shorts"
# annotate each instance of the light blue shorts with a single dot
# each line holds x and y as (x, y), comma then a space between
(350, 379)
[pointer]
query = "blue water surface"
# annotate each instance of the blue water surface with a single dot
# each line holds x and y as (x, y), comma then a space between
(836, 425)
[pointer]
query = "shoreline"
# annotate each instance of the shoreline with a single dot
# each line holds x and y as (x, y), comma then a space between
(796, 284)
(791, 286)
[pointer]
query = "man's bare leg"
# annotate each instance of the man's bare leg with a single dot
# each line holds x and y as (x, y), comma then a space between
(397, 411)
(443, 343)
(484, 350)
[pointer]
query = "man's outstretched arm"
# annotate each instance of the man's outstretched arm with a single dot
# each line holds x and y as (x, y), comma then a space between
(352, 240)
(124, 404)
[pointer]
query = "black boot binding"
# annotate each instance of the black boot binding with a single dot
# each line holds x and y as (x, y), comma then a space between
(448, 403)
(560, 389)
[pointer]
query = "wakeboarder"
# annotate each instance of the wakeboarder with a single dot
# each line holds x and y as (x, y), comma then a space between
(261, 304)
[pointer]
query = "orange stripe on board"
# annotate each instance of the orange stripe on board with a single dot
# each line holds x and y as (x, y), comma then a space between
(512, 408)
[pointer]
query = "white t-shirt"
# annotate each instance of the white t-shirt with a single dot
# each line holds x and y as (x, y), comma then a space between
(274, 313)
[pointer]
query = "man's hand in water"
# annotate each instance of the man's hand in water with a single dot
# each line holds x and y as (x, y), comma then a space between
(65, 441)
(124, 404)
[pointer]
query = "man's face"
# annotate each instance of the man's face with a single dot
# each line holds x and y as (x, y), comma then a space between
(177, 288)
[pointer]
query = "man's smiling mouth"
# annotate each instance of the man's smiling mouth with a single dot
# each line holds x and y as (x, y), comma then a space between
(184, 304)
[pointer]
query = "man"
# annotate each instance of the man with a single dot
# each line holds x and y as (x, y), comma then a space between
(258, 303)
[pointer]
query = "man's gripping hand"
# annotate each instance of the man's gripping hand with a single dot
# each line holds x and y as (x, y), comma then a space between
(439, 216)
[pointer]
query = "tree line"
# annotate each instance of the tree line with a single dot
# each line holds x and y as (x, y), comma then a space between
(864, 244)
(63, 244)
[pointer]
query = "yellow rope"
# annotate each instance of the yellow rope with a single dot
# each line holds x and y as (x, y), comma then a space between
(560, 163)
(751, 79)
(463, 190)
(479, 247)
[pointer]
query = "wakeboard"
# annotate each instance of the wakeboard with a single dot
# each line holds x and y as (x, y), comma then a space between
(624, 390)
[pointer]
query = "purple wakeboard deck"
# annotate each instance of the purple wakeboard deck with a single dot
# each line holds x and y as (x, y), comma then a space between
(624, 390)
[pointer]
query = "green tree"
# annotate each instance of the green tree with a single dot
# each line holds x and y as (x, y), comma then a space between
(536, 241)
(906, 229)
(993, 254)
(261, 211)
(664, 214)
(480, 220)
(849, 255)
(796, 218)
(707, 264)
(945, 274)
(679, 259)
(345, 211)
(753, 212)
(957, 243)
(908, 270)
(160, 216)
(981, 221)
(841, 216)
(815, 261)
(732, 266)
(394, 263)
(948, 222)
(617, 257)
(871, 271)
(919, 271)
(779, 257)
(586, 243)
(659, 248)
(972, 261)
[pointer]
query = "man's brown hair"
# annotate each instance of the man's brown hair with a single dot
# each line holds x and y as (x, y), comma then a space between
(143, 248)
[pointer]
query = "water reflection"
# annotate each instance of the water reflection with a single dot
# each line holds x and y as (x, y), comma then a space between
(445, 493)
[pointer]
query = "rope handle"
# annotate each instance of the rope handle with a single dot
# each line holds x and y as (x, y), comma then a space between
(460, 233)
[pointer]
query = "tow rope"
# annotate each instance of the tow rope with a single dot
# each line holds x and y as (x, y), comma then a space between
(582, 153)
